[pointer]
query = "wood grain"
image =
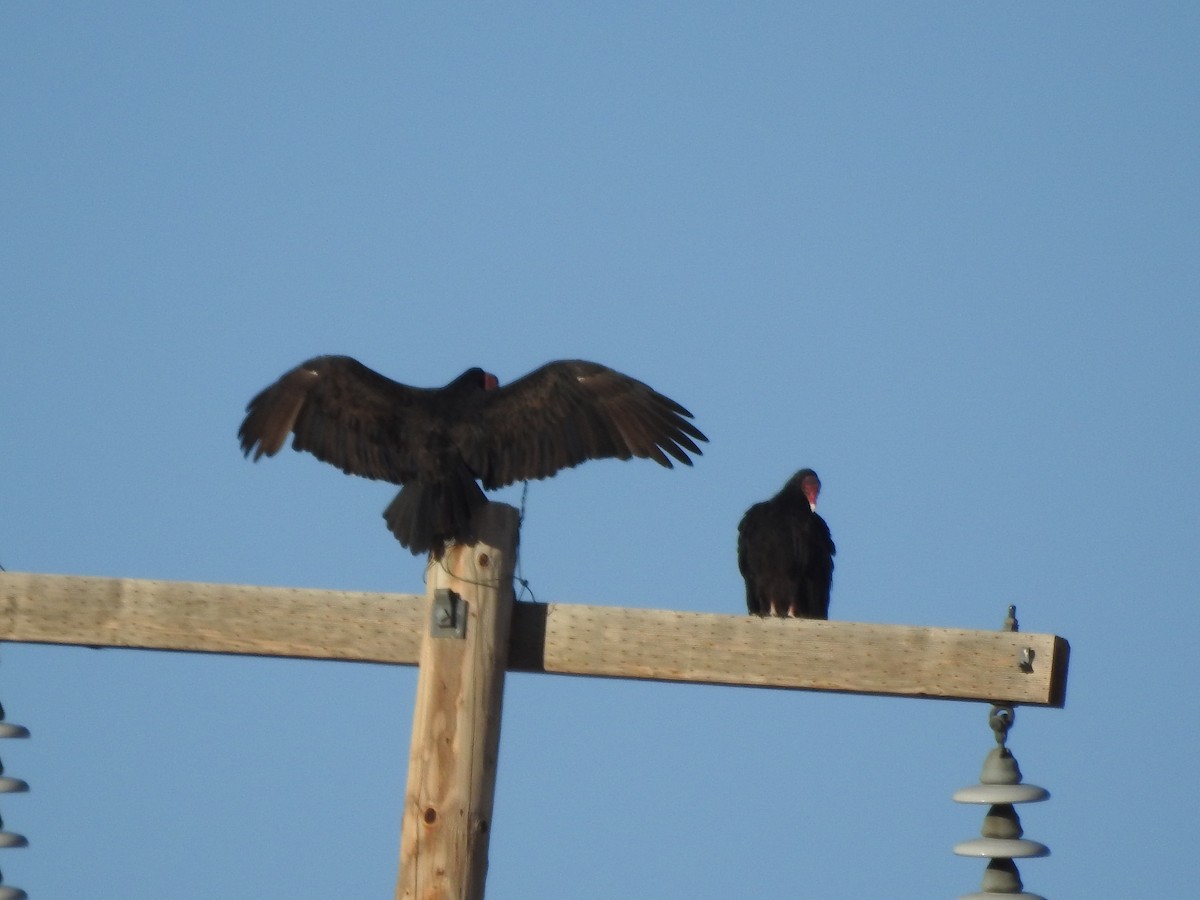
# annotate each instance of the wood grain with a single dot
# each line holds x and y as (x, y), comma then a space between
(893, 660)
(456, 720)
(212, 618)
(567, 639)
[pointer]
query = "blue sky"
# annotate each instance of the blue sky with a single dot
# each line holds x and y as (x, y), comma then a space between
(946, 254)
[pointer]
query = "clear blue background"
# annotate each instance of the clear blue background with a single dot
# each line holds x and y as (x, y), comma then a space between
(944, 253)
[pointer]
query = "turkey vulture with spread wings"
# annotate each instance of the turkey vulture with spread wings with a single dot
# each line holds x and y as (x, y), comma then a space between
(439, 442)
(785, 552)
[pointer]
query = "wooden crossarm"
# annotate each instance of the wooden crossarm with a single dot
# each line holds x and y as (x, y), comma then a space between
(567, 639)
(853, 657)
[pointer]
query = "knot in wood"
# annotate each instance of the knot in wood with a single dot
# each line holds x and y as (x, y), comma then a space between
(484, 560)
(430, 815)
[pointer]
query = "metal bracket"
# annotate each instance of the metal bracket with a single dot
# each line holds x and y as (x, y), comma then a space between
(449, 615)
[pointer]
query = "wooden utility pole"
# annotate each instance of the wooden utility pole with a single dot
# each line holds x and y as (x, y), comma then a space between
(456, 720)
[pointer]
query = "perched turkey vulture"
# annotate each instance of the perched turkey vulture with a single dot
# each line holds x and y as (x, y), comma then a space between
(785, 552)
(438, 442)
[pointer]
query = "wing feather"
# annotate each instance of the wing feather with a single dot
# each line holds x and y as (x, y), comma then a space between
(343, 413)
(569, 411)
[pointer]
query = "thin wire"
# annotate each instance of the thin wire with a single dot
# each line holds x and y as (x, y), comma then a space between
(519, 574)
(441, 563)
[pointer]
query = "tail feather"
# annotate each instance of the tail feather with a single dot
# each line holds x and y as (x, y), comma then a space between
(427, 514)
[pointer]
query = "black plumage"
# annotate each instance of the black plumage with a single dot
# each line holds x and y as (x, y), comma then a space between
(785, 552)
(442, 443)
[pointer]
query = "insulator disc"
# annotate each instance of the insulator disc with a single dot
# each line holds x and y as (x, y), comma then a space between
(7, 729)
(1001, 848)
(9, 839)
(12, 785)
(1001, 793)
(12, 893)
(991, 895)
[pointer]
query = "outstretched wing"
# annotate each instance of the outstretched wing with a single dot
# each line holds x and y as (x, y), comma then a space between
(342, 413)
(569, 411)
